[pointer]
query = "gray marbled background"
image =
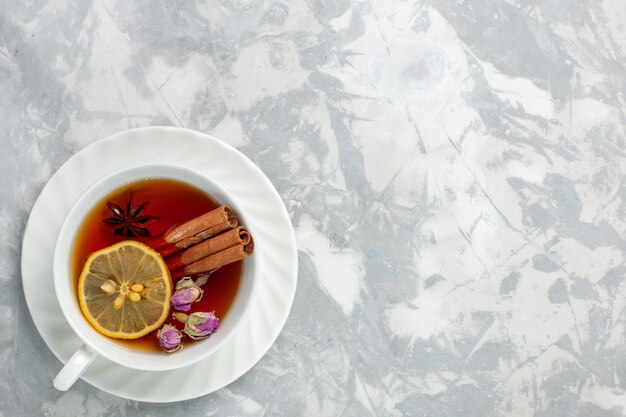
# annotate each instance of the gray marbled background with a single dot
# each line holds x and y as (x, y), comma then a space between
(455, 172)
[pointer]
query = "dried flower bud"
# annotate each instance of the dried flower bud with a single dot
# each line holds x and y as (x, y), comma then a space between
(187, 293)
(170, 338)
(181, 317)
(184, 282)
(200, 325)
(202, 279)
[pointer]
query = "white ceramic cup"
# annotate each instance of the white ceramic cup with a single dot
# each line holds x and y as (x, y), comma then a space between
(94, 343)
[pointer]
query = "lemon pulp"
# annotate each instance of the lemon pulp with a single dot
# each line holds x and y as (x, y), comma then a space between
(124, 290)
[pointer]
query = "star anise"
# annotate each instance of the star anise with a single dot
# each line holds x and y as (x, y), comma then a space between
(129, 222)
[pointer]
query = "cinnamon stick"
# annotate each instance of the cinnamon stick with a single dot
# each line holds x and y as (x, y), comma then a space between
(194, 231)
(233, 237)
(214, 261)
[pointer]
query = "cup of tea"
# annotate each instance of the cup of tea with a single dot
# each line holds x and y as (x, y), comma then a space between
(144, 259)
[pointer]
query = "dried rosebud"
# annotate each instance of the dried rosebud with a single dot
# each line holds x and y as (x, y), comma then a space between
(181, 317)
(187, 293)
(200, 325)
(170, 338)
(202, 279)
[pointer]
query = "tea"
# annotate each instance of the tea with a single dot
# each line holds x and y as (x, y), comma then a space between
(158, 205)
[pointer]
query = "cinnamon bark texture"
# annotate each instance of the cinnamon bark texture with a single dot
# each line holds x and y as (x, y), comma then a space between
(233, 237)
(194, 231)
(215, 260)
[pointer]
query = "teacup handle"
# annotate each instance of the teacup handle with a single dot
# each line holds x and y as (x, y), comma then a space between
(74, 368)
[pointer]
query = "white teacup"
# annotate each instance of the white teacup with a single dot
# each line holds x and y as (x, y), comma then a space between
(94, 343)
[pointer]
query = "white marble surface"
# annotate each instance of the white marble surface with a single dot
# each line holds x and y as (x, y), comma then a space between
(455, 172)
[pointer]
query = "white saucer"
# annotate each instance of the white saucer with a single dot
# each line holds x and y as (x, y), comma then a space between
(256, 196)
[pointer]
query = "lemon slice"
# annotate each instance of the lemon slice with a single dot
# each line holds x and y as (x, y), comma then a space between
(124, 290)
